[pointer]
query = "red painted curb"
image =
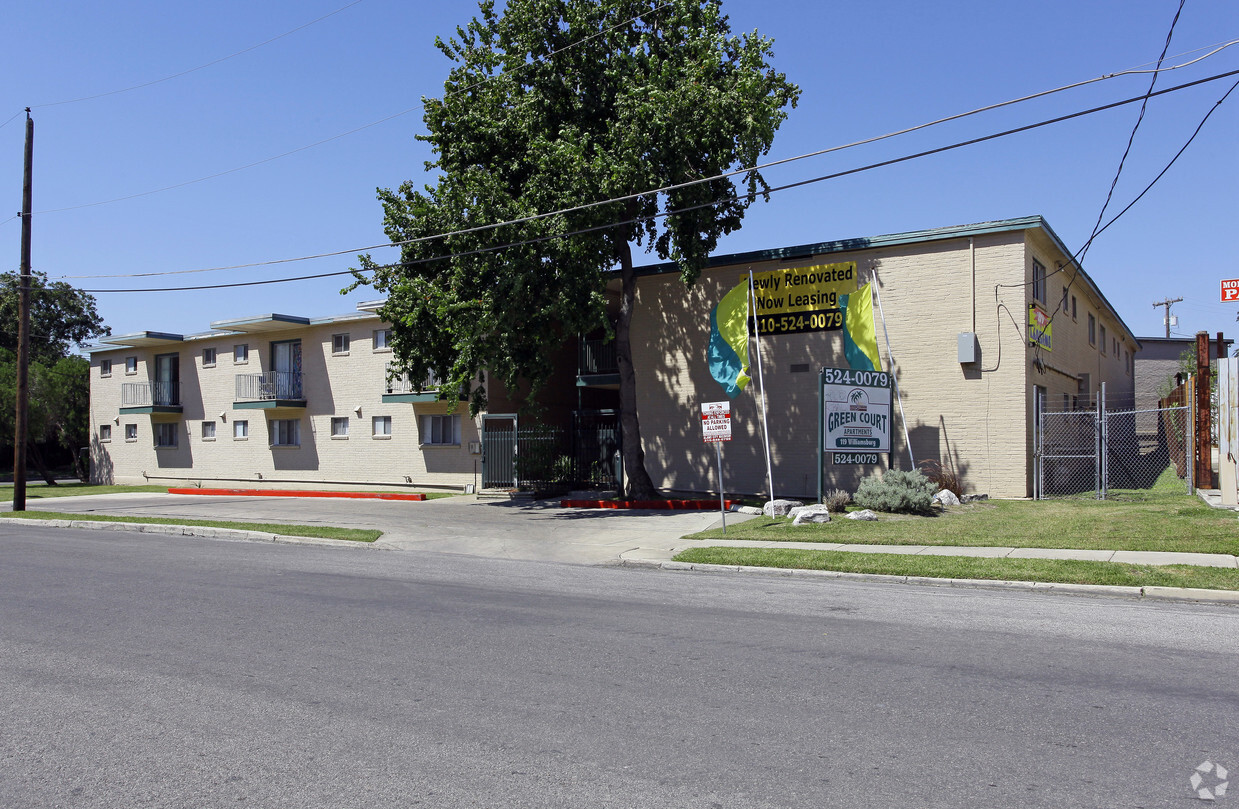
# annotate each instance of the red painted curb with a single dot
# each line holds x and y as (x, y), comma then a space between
(302, 493)
(660, 505)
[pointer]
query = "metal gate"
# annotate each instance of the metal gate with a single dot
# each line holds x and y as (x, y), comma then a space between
(499, 451)
(1104, 453)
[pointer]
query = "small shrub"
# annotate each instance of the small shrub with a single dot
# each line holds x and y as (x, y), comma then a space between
(942, 476)
(837, 500)
(898, 492)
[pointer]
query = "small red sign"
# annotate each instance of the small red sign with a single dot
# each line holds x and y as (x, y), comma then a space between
(1230, 290)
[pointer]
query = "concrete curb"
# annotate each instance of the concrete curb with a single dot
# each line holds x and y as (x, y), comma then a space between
(1175, 594)
(208, 532)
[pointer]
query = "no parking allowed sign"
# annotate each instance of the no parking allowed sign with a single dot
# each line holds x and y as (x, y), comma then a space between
(715, 421)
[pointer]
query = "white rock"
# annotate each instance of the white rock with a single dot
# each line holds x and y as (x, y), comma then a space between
(866, 515)
(946, 497)
(810, 514)
(779, 508)
(973, 498)
(745, 509)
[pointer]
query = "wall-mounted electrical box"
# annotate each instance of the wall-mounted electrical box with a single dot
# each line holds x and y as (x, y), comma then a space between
(969, 351)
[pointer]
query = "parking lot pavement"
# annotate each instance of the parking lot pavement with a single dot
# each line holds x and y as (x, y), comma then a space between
(537, 530)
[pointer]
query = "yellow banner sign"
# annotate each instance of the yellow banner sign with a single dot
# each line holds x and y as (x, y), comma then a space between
(1040, 327)
(803, 289)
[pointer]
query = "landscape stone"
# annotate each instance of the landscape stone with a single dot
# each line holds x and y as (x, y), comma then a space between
(866, 515)
(816, 513)
(973, 498)
(746, 509)
(946, 497)
(779, 508)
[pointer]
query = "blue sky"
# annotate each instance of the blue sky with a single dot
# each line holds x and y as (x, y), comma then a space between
(865, 69)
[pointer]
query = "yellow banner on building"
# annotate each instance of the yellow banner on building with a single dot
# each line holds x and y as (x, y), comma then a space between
(803, 289)
(1040, 327)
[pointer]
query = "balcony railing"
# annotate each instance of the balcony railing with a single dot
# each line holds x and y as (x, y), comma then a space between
(402, 384)
(150, 394)
(268, 386)
(597, 357)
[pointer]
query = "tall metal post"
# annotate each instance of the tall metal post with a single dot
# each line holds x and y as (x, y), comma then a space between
(21, 424)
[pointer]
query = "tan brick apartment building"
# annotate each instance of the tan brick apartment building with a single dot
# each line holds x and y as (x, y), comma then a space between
(348, 425)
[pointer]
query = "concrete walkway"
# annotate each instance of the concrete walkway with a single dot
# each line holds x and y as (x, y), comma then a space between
(543, 531)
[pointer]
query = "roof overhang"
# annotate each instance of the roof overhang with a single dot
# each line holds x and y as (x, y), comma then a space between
(142, 339)
(261, 323)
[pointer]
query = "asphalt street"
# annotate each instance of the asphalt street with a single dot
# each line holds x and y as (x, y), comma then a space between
(188, 672)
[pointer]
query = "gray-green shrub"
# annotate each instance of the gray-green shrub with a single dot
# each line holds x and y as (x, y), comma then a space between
(898, 492)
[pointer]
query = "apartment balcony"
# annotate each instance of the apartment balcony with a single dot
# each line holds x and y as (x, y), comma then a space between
(268, 391)
(150, 397)
(402, 389)
(597, 366)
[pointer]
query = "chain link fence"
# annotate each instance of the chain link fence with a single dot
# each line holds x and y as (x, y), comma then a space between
(1111, 454)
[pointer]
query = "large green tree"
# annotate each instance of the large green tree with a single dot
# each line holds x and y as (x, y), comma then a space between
(549, 105)
(58, 415)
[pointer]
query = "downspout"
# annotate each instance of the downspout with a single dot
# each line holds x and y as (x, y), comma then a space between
(972, 257)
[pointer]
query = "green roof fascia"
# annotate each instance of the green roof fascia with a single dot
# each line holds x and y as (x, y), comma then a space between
(270, 404)
(892, 240)
(134, 411)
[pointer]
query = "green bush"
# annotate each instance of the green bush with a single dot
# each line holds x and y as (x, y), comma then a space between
(897, 491)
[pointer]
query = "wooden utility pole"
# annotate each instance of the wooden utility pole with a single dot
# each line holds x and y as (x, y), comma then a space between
(23, 332)
(1204, 430)
(1167, 303)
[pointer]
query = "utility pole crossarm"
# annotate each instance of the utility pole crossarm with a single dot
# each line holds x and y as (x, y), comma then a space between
(1168, 302)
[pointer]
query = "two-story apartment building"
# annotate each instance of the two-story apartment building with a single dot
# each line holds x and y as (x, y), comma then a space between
(985, 323)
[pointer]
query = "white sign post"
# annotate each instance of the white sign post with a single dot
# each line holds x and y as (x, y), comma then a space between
(715, 429)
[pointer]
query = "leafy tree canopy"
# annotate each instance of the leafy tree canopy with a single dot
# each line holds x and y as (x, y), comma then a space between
(550, 105)
(60, 316)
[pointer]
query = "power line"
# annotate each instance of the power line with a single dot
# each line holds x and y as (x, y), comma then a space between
(316, 144)
(1140, 117)
(662, 190)
(212, 63)
(797, 184)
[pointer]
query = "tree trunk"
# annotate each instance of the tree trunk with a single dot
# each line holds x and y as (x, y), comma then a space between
(36, 456)
(638, 484)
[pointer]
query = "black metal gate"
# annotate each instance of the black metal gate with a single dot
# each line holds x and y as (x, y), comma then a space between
(545, 457)
(499, 451)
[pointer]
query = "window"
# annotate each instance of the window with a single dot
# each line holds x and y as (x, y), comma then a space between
(165, 434)
(1084, 392)
(382, 426)
(105, 367)
(208, 358)
(105, 432)
(339, 427)
(440, 430)
(285, 432)
(131, 432)
(131, 365)
(1092, 330)
(240, 354)
(1103, 339)
(1038, 290)
(241, 430)
(382, 339)
(208, 431)
(1073, 307)
(339, 344)
(1127, 362)
(1063, 305)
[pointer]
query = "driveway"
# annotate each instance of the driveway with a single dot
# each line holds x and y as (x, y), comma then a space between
(495, 528)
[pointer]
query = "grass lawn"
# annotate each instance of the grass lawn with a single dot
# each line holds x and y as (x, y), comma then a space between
(1068, 571)
(319, 531)
(73, 489)
(1163, 518)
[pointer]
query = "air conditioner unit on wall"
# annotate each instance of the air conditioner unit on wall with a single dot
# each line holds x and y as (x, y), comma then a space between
(475, 447)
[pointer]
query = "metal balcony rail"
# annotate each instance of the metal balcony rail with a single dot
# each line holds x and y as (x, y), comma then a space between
(402, 384)
(148, 394)
(269, 385)
(597, 357)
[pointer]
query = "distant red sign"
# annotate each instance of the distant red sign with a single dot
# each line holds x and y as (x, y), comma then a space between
(1230, 290)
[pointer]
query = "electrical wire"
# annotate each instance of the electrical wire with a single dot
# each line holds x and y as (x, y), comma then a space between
(776, 189)
(629, 197)
(212, 63)
(316, 144)
(1140, 117)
